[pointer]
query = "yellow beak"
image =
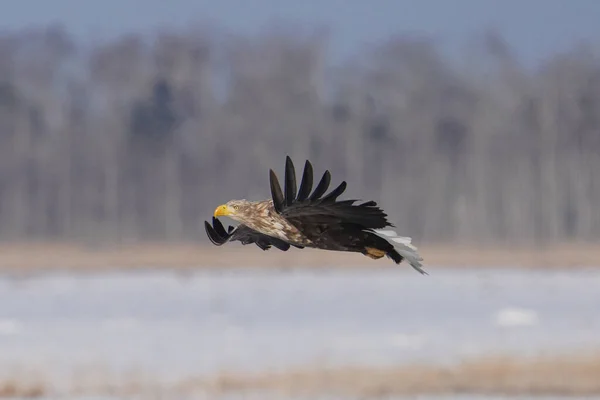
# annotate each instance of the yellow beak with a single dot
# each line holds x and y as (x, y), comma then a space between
(222, 210)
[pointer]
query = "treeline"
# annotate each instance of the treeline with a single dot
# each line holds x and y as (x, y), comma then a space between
(141, 137)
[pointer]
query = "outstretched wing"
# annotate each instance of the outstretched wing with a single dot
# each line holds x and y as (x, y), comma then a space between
(219, 236)
(300, 207)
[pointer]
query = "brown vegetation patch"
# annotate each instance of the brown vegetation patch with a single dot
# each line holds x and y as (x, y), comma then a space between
(43, 257)
(575, 375)
(559, 375)
(12, 388)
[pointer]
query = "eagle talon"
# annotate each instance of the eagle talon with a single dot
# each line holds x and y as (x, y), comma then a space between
(374, 253)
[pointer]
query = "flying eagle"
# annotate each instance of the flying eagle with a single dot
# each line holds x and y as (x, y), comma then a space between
(296, 217)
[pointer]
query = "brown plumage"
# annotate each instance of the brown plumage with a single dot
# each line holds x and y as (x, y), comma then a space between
(296, 217)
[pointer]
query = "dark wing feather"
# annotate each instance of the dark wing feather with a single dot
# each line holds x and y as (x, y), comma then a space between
(321, 186)
(335, 193)
(219, 236)
(368, 215)
(306, 183)
(276, 193)
(290, 182)
(216, 232)
(319, 210)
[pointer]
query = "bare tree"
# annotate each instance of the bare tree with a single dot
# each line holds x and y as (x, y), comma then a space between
(138, 138)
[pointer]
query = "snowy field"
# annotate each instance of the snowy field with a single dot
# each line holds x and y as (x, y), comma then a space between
(172, 326)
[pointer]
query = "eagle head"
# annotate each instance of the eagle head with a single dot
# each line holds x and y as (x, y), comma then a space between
(234, 209)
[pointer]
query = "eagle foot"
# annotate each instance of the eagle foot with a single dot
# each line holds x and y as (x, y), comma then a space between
(373, 253)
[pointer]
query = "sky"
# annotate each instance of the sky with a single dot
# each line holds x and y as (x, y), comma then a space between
(535, 28)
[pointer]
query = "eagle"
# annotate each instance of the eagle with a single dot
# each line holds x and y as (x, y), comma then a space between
(306, 218)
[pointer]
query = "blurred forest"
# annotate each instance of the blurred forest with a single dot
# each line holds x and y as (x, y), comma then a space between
(141, 137)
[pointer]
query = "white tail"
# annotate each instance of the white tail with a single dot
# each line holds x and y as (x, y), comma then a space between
(404, 247)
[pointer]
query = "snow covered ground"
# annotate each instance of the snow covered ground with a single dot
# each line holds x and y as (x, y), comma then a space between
(174, 326)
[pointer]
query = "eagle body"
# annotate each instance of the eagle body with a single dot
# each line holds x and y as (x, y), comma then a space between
(301, 217)
(262, 217)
